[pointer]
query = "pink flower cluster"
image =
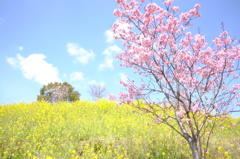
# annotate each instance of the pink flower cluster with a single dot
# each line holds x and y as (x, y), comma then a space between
(168, 2)
(180, 113)
(237, 86)
(112, 97)
(159, 46)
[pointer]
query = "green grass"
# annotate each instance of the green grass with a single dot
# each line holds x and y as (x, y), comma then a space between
(97, 130)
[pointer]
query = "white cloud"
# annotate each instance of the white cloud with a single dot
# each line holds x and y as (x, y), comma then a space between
(15, 62)
(123, 77)
(108, 60)
(76, 76)
(107, 63)
(112, 50)
(93, 82)
(35, 67)
(20, 48)
(110, 36)
(82, 55)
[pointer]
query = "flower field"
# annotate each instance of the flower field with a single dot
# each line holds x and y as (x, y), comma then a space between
(101, 130)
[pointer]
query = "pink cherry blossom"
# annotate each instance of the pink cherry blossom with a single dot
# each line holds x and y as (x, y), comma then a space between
(215, 106)
(117, 12)
(226, 116)
(195, 108)
(146, 42)
(233, 124)
(122, 2)
(197, 6)
(112, 97)
(175, 9)
(157, 120)
(185, 16)
(119, 104)
(180, 113)
(168, 2)
(191, 75)
(237, 86)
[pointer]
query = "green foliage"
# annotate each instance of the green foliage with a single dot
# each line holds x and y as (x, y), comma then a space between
(54, 92)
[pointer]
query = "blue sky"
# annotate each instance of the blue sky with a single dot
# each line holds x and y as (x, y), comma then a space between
(68, 40)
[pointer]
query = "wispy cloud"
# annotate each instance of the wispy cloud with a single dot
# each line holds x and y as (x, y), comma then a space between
(110, 36)
(81, 55)
(109, 51)
(15, 62)
(94, 82)
(20, 48)
(107, 63)
(34, 67)
(108, 60)
(123, 77)
(76, 76)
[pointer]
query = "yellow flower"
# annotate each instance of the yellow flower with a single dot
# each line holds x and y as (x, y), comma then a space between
(148, 155)
(72, 151)
(207, 153)
(120, 157)
(220, 148)
(226, 153)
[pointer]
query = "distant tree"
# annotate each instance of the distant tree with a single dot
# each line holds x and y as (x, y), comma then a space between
(54, 92)
(97, 91)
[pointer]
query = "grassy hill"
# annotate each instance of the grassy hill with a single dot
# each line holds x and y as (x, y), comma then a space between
(100, 129)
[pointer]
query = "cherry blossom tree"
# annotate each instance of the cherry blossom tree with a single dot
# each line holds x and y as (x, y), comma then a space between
(197, 81)
(97, 91)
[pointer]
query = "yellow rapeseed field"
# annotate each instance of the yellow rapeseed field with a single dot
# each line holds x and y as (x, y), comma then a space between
(97, 130)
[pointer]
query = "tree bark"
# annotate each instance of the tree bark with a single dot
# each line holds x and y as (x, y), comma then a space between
(194, 148)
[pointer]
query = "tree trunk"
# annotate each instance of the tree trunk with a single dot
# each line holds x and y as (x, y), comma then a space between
(194, 148)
